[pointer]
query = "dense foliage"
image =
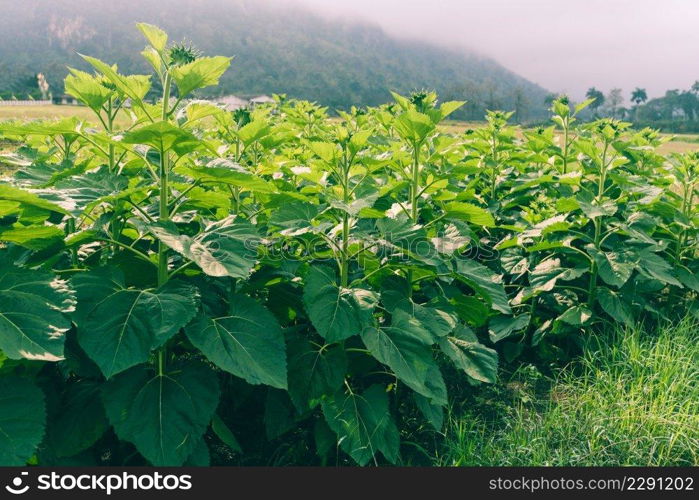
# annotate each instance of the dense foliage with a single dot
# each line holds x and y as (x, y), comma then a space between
(273, 282)
(278, 48)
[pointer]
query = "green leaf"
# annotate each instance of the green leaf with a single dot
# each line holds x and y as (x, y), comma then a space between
(484, 282)
(164, 416)
(22, 420)
(33, 310)
(87, 89)
(449, 107)
(612, 305)
(224, 248)
(615, 268)
(198, 74)
(9, 193)
(363, 424)
(246, 342)
(476, 360)
(594, 208)
(118, 327)
(414, 126)
(654, 266)
(576, 315)
(133, 86)
(457, 210)
(35, 237)
(545, 275)
(314, 371)
(227, 176)
(163, 136)
(225, 434)
(501, 327)
(155, 36)
(469, 213)
(336, 312)
(78, 421)
(434, 320)
(409, 358)
(294, 217)
(254, 131)
(433, 413)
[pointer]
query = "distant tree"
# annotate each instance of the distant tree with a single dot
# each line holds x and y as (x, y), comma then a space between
(614, 100)
(598, 96)
(670, 102)
(520, 104)
(639, 96)
(695, 87)
(548, 100)
(689, 103)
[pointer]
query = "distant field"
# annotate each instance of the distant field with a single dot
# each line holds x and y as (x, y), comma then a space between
(51, 111)
(680, 143)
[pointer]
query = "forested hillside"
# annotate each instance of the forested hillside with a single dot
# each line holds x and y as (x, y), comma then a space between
(279, 48)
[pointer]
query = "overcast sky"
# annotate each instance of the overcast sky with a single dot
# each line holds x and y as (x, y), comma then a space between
(563, 45)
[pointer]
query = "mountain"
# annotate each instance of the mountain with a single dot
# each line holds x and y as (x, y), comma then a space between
(278, 48)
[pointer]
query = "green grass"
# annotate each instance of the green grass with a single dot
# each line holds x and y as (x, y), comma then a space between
(633, 399)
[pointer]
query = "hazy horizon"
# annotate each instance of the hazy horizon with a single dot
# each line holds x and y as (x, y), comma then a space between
(625, 43)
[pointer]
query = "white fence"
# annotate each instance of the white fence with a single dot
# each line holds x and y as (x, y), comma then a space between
(25, 103)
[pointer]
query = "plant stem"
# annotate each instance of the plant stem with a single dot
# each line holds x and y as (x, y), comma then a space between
(565, 146)
(344, 254)
(591, 293)
(414, 196)
(163, 214)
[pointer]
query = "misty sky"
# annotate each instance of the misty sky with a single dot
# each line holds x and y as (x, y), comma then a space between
(563, 45)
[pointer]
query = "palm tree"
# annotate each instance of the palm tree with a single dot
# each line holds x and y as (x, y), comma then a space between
(639, 96)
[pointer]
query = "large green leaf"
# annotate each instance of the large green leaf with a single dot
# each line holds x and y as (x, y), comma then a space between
(485, 282)
(33, 309)
(134, 87)
(9, 193)
(469, 213)
(34, 237)
(363, 424)
(224, 248)
(22, 420)
(155, 36)
(612, 305)
(501, 327)
(229, 176)
(414, 126)
(314, 371)
(78, 421)
(118, 327)
(164, 416)
(409, 358)
(615, 268)
(547, 273)
(198, 74)
(246, 342)
(163, 136)
(336, 312)
(87, 89)
(476, 360)
(654, 266)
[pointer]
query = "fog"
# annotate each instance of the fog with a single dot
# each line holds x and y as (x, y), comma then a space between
(563, 45)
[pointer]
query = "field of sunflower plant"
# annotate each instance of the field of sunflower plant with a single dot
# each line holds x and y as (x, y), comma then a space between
(200, 284)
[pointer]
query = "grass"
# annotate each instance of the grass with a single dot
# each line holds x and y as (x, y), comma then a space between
(633, 399)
